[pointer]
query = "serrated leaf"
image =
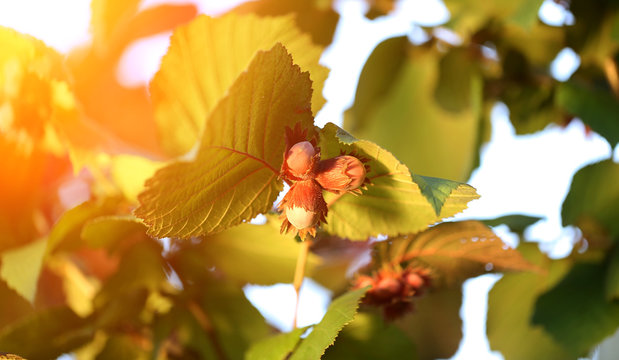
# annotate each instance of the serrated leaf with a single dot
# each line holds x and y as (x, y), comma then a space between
(369, 337)
(20, 268)
(595, 107)
(575, 312)
(276, 347)
(192, 80)
(510, 307)
(341, 311)
(435, 325)
(256, 254)
(436, 190)
(393, 204)
(235, 174)
(459, 250)
(594, 196)
(405, 117)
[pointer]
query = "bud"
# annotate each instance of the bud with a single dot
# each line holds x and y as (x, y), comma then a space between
(299, 158)
(342, 173)
(303, 207)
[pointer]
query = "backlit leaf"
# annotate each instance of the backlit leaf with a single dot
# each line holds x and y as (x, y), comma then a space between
(594, 196)
(20, 268)
(393, 204)
(575, 311)
(234, 176)
(402, 115)
(516, 223)
(276, 347)
(130, 172)
(341, 311)
(437, 191)
(201, 65)
(510, 307)
(459, 250)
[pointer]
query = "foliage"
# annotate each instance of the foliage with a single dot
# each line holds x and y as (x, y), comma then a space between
(126, 213)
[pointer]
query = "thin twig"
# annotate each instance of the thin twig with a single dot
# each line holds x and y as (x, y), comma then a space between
(610, 69)
(299, 274)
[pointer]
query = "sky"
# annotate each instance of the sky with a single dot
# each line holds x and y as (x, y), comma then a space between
(518, 174)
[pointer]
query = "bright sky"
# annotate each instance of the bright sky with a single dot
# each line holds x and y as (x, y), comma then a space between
(527, 174)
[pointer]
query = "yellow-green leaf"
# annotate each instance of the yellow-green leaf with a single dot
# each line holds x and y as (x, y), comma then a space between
(201, 65)
(393, 204)
(21, 268)
(129, 173)
(234, 176)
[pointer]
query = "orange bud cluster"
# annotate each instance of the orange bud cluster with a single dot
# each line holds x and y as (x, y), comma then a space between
(303, 207)
(394, 290)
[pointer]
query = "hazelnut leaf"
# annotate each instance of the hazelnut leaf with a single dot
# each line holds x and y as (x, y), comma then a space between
(234, 176)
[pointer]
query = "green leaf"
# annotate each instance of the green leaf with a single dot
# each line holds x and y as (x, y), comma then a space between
(516, 223)
(405, 117)
(256, 254)
(612, 275)
(191, 81)
(575, 312)
(20, 268)
(276, 347)
(129, 173)
(341, 311)
(510, 307)
(369, 337)
(123, 347)
(457, 71)
(235, 174)
(594, 197)
(46, 334)
(467, 17)
(436, 190)
(393, 204)
(459, 250)
(597, 108)
(435, 325)
(112, 232)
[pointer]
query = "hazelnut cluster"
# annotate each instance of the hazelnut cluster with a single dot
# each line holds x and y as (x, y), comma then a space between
(303, 207)
(394, 290)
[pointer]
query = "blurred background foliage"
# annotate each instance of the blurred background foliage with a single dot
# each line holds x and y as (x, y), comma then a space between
(79, 274)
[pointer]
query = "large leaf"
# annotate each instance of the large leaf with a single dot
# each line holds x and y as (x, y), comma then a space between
(510, 307)
(594, 197)
(597, 108)
(276, 347)
(469, 16)
(201, 65)
(341, 311)
(404, 116)
(369, 337)
(575, 312)
(435, 325)
(20, 268)
(234, 176)
(459, 250)
(393, 203)
(240, 251)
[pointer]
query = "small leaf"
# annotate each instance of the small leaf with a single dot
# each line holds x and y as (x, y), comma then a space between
(575, 312)
(516, 223)
(341, 311)
(276, 347)
(393, 203)
(595, 108)
(235, 174)
(436, 190)
(435, 325)
(459, 250)
(112, 232)
(191, 81)
(510, 307)
(20, 268)
(594, 196)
